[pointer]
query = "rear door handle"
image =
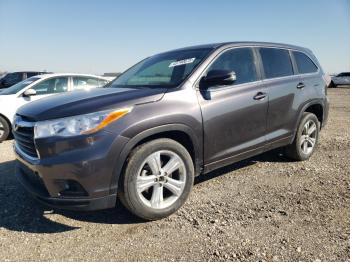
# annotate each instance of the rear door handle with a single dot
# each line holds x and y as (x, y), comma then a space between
(259, 96)
(300, 85)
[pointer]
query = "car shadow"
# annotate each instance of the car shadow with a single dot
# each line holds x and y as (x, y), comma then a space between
(273, 156)
(20, 212)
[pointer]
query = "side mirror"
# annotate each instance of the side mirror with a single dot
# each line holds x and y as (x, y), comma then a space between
(217, 78)
(29, 92)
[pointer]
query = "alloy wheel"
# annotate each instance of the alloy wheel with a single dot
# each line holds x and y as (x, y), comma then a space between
(2, 129)
(308, 137)
(161, 179)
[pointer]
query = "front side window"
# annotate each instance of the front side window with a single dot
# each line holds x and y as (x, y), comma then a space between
(85, 82)
(19, 86)
(304, 63)
(163, 70)
(52, 86)
(239, 60)
(276, 62)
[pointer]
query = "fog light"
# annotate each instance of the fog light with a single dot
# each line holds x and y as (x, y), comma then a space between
(71, 188)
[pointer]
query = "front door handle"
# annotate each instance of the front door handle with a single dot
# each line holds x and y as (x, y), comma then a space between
(259, 96)
(300, 85)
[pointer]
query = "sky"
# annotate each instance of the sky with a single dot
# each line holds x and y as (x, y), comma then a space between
(100, 36)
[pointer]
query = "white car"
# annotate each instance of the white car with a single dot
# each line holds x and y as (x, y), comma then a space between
(342, 79)
(38, 87)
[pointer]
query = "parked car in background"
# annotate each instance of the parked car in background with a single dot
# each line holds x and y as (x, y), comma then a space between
(38, 87)
(13, 78)
(167, 119)
(111, 76)
(342, 79)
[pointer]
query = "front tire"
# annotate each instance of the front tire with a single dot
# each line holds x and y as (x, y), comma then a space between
(4, 129)
(306, 138)
(157, 180)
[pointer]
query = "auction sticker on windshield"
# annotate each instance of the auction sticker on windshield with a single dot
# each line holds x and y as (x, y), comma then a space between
(182, 62)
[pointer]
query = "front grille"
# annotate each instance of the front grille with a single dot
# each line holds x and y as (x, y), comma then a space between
(24, 136)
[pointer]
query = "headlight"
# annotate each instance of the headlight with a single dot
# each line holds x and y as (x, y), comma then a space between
(78, 125)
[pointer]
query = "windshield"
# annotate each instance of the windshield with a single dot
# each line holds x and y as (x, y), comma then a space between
(19, 86)
(163, 70)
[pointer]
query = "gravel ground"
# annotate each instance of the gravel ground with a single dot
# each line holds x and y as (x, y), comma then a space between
(262, 209)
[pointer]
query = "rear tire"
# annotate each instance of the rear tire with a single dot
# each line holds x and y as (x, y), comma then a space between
(306, 138)
(4, 129)
(157, 180)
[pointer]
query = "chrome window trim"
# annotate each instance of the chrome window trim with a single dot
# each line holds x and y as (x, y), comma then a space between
(220, 88)
(280, 78)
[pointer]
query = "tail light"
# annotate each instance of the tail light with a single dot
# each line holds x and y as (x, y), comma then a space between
(327, 79)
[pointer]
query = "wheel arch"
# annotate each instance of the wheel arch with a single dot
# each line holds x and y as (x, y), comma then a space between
(316, 107)
(8, 122)
(178, 132)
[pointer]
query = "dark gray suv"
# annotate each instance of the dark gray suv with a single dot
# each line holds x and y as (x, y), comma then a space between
(167, 119)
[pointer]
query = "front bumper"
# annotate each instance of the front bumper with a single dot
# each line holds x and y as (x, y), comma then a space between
(39, 191)
(91, 168)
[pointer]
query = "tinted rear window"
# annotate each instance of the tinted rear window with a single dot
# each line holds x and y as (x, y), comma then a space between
(30, 74)
(276, 62)
(344, 74)
(304, 63)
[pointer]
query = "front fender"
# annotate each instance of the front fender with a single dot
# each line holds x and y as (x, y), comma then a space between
(198, 148)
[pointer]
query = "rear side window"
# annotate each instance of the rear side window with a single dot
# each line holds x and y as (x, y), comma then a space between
(85, 82)
(239, 60)
(304, 63)
(102, 82)
(276, 62)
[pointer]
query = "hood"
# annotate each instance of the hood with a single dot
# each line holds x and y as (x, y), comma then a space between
(88, 101)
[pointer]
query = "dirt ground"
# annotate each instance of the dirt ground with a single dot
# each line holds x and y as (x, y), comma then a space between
(262, 209)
